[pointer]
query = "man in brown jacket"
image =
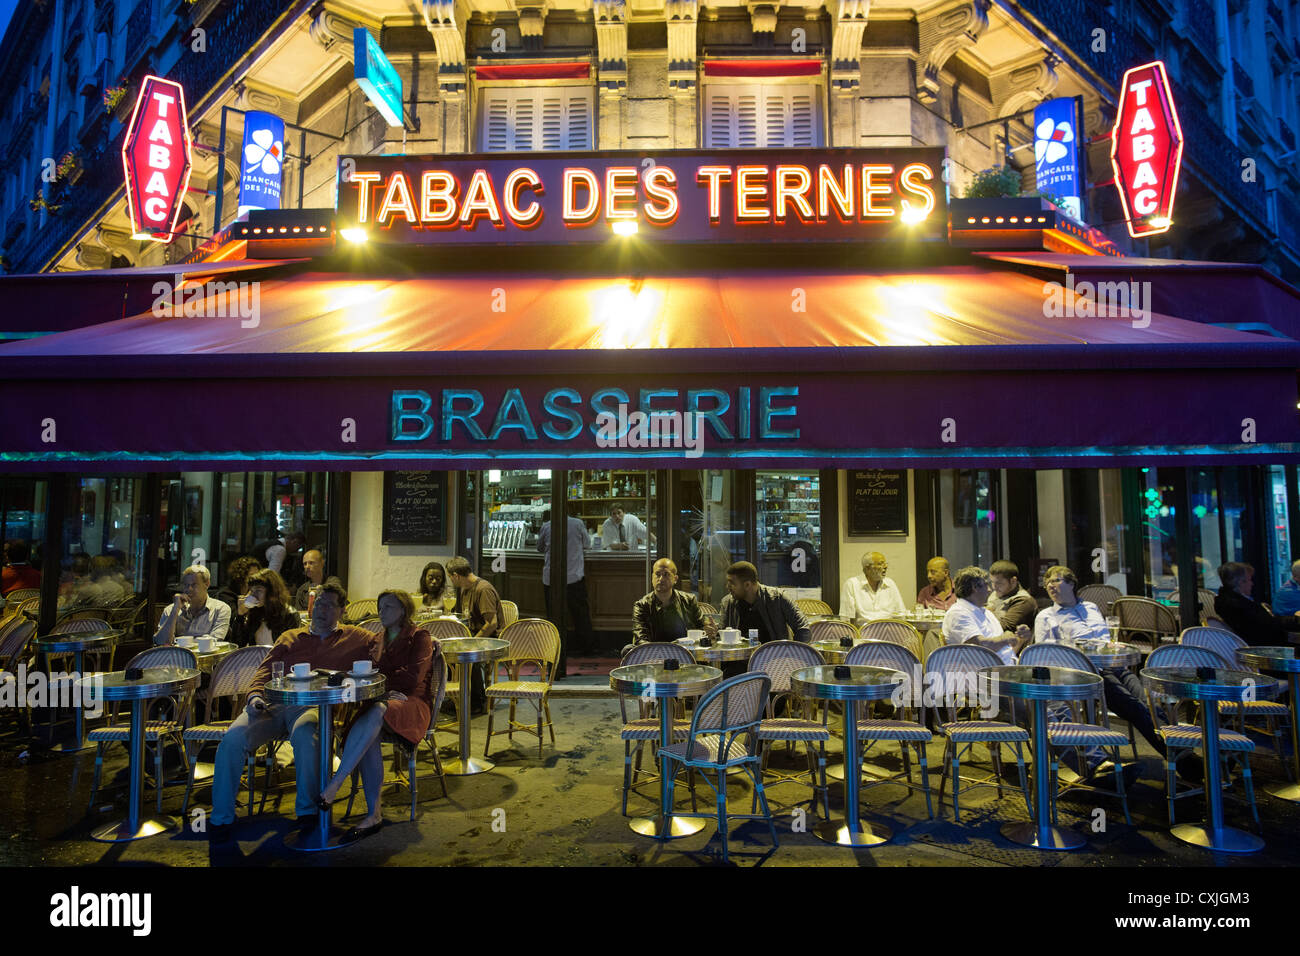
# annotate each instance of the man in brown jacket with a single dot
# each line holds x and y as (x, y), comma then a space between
(325, 645)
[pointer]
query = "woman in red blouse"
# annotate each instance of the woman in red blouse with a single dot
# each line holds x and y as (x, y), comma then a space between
(407, 664)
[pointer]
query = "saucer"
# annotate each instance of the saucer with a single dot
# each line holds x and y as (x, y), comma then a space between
(368, 675)
(314, 674)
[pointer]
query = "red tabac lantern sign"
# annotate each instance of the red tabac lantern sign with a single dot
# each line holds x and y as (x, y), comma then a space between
(1146, 150)
(156, 159)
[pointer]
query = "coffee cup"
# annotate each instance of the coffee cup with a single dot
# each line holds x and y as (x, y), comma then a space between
(205, 644)
(363, 667)
(694, 634)
(301, 670)
(730, 635)
(185, 642)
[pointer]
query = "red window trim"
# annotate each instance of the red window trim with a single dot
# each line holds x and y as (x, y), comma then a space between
(538, 71)
(751, 68)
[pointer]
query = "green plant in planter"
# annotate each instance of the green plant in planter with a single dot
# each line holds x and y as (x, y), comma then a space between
(113, 96)
(996, 182)
(68, 165)
(39, 202)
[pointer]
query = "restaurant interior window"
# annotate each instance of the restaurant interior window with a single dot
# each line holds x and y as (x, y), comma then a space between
(789, 535)
(514, 119)
(969, 500)
(257, 505)
(103, 545)
(594, 493)
(709, 506)
(762, 115)
(1094, 524)
(514, 506)
(22, 513)
(1160, 536)
(1279, 526)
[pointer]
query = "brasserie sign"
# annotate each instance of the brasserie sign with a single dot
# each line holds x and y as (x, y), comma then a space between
(681, 196)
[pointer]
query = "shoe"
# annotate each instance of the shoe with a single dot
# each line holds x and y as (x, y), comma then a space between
(307, 824)
(360, 833)
(323, 805)
(221, 834)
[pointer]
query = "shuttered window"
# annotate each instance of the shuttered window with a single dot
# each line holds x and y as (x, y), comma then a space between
(515, 119)
(761, 115)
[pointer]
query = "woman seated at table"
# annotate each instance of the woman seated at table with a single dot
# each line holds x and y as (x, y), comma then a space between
(433, 583)
(407, 664)
(264, 613)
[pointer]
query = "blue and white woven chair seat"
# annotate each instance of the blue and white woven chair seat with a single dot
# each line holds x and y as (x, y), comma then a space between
(152, 730)
(518, 688)
(1255, 708)
(1189, 735)
(215, 730)
(648, 729)
(708, 748)
(904, 730)
(792, 728)
(978, 731)
(1067, 734)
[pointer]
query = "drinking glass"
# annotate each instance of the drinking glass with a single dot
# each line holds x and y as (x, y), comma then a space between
(277, 670)
(449, 602)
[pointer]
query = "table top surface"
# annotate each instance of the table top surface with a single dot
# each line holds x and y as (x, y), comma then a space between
(1109, 653)
(317, 690)
(472, 649)
(1222, 683)
(1281, 659)
(1059, 683)
(718, 651)
(76, 642)
(156, 682)
(862, 682)
(654, 680)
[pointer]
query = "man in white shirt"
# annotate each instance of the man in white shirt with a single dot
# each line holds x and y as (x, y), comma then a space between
(191, 613)
(276, 552)
(623, 532)
(871, 596)
(968, 618)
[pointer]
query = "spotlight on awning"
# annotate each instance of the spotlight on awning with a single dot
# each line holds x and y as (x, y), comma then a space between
(625, 227)
(354, 234)
(911, 216)
(1160, 222)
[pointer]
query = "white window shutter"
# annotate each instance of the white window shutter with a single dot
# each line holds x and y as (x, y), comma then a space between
(536, 118)
(578, 119)
(525, 121)
(496, 136)
(762, 116)
(720, 120)
(749, 134)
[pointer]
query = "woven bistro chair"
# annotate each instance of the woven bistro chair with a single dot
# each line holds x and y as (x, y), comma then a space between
(955, 667)
(19, 596)
(1102, 595)
(31, 607)
(896, 632)
(1139, 615)
(91, 625)
(1092, 731)
(231, 678)
(445, 629)
(1181, 737)
(1205, 597)
(15, 635)
(813, 606)
(532, 641)
(778, 660)
(404, 750)
(645, 727)
(361, 610)
(1276, 716)
(831, 631)
(509, 613)
(708, 609)
(373, 625)
(723, 735)
(898, 729)
(155, 731)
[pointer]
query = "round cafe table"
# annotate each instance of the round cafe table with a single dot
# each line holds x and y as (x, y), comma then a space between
(1112, 655)
(1219, 683)
(76, 645)
(654, 680)
(719, 653)
(208, 659)
(1280, 661)
(863, 683)
(1060, 683)
(468, 651)
(833, 652)
(155, 682)
(317, 692)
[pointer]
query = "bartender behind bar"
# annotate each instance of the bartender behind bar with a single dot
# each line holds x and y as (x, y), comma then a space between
(623, 532)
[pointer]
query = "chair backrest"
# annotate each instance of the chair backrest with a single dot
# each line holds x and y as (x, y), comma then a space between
(444, 628)
(1187, 655)
(1206, 598)
(374, 625)
(831, 631)
(655, 651)
(896, 632)
(19, 595)
(15, 635)
(509, 613)
(234, 672)
(955, 666)
(437, 685)
(1048, 654)
(1221, 642)
(81, 625)
(732, 709)
(166, 656)
(1102, 595)
(813, 606)
(532, 640)
(1144, 614)
(31, 607)
(707, 608)
(885, 654)
(779, 659)
(361, 610)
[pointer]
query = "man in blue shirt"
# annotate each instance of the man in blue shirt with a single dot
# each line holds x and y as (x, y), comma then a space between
(575, 580)
(1287, 598)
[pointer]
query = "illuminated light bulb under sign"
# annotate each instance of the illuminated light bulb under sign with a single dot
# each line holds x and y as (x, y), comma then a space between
(354, 235)
(625, 227)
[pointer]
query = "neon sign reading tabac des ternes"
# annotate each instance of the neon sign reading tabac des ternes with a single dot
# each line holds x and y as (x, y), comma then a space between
(1146, 150)
(684, 196)
(156, 159)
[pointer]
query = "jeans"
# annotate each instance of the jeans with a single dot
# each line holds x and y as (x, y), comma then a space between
(1124, 695)
(584, 640)
(246, 735)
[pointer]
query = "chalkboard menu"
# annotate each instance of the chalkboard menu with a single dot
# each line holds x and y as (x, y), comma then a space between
(877, 502)
(415, 507)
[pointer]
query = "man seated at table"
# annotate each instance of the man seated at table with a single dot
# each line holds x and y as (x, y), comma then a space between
(191, 613)
(1069, 619)
(938, 593)
(666, 614)
(1286, 599)
(1250, 619)
(313, 566)
(326, 645)
(480, 601)
(969, 621)
(750, 606)
(872, 596)
(1012, 604)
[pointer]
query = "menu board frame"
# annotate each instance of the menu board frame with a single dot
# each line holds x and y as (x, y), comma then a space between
(864, 524)
(395, 535)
